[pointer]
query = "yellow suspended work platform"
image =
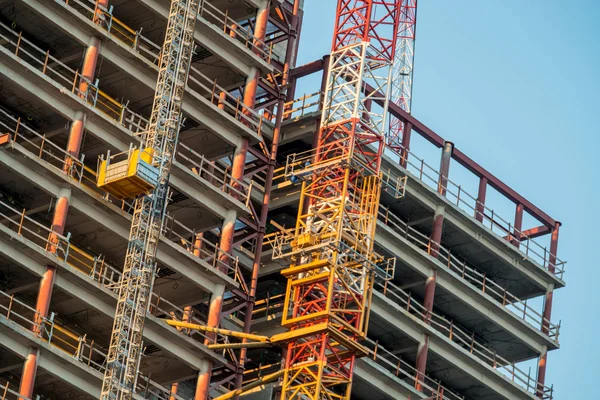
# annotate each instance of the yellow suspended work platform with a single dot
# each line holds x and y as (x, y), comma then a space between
(128, 174)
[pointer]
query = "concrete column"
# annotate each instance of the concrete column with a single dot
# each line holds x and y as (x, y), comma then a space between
(437, 230)
(226, 241)
(543, 360)
(174, 388)
(203, 383)
(59, 220)
(518, 225)
(88, 70)
(238, 166)
(421, 362)
(28, 375)
(445, 167)
(46, 285)
(405, 144)
(75, 139)
(480, 206)
(214, 316)
(430, 284)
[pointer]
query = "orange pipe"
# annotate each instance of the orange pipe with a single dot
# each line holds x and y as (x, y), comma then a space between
(226, 242)
(28, 376)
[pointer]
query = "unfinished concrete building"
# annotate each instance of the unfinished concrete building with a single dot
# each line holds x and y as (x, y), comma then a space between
(77, 81)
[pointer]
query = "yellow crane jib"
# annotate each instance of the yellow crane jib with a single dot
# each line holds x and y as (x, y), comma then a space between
(128, 174)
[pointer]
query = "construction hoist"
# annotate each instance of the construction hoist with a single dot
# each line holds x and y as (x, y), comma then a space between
(143, 173)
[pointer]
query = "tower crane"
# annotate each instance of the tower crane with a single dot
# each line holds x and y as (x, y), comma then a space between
(402, 73)
(143, 173)
(332, 264)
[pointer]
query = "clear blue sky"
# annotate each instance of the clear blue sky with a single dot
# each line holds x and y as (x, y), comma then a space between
(537, 62)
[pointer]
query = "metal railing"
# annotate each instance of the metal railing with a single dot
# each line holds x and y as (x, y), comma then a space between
(38, 145)
(6, 393)
(204, 249)
(459, 266)
(406, 372)
(64, 339)
(298, 108)
(197, 81)
(418, 168)
(222, 99)
(214, 173)
(498, 225)
(70, 78)
(456, 334)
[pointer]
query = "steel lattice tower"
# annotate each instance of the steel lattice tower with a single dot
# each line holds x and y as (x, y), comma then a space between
(402, 71)
(330, 278)
(135, 286)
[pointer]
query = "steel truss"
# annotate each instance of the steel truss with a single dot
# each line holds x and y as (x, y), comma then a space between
(402, 71)
(332, 263)
(135, 286)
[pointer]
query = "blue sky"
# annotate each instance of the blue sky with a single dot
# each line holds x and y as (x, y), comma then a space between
(514, 84)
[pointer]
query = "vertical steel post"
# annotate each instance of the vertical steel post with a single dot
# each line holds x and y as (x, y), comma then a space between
(516, 239)
(547, 314)
(405, 144)
(445, 167)
(480, 205)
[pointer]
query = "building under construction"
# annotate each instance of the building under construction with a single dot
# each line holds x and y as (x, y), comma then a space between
(182, 217)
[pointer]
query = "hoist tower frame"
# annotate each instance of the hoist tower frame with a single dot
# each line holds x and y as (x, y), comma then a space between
(332, 264)
(135, 286)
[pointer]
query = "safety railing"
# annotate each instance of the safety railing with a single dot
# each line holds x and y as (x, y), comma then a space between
(301, 106)
(459, 266)
(43, 237)
(392, 183)
(197, 81)
(46, 150)
(456, 334)
(469, 203)
(71, 79)
(6, 393)
(236, 31)
(406, 372)
(213, 172)
(196, 244)
(66, 340)
(222, 99)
